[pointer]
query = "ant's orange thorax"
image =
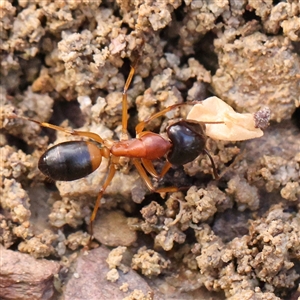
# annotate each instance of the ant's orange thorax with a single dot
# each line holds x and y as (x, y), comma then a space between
(149, 146)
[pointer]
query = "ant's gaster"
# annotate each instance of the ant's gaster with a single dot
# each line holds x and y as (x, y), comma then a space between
(76, 159)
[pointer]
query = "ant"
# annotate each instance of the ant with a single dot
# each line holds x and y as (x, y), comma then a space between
(73, 160)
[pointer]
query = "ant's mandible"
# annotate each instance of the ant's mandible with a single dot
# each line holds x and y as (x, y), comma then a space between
(76, 159)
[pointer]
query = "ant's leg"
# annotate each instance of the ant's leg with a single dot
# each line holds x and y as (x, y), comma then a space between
(124, 97)
(124, 101)
(110, 176)
(165, 169)
(148, 182)
(216, 175)
(87, 134)
(140, 126)
(149, 167)
(143, 174)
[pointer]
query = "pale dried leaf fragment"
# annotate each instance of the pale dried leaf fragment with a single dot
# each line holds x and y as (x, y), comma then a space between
(234, 126)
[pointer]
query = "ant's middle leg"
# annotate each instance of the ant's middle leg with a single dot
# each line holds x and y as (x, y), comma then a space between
(124, 96)
(124, 101)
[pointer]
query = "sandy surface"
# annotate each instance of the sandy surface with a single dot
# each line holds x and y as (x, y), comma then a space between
(66, 63)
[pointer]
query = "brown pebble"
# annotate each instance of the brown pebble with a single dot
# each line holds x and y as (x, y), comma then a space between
(24, 277)
(111, 229)
(91, 283)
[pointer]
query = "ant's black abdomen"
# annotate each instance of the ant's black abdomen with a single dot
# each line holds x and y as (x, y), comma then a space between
(70, 160)
(188, 140)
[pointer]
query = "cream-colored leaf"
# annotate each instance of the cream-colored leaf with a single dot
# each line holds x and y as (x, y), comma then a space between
(235, 126)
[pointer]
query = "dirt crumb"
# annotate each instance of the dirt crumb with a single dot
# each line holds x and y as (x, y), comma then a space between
(149, 262)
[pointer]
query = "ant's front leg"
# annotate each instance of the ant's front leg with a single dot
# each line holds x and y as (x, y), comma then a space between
(148, 165)
(144, 176)
(140, 126)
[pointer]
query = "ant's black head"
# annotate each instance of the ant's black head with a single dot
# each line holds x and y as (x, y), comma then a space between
(188, 139)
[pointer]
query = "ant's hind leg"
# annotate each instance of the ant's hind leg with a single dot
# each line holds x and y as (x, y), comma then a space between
(87, 134)
(110, 176)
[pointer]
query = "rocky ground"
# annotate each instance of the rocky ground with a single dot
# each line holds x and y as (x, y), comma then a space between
(66, 62)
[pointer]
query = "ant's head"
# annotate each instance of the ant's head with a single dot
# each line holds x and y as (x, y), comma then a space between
(188, 139)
